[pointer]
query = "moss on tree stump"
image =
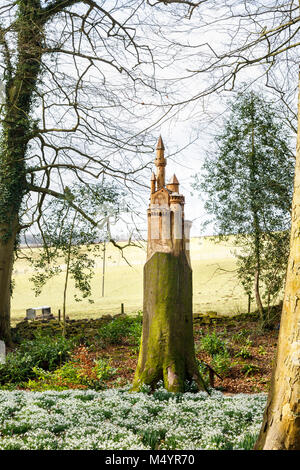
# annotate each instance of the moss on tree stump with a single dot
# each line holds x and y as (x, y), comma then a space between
(167, 349)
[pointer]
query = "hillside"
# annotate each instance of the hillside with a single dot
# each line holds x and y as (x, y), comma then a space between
(215, 285)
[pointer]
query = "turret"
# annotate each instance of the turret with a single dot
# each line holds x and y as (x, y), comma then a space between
(160, 163)
(153, 183)
(173, 184)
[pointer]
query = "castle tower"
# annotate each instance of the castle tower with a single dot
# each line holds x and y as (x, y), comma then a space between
(173, 184)
(167, 348)
(160, 163)
(153, 183)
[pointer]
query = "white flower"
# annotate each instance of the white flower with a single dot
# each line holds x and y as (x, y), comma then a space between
(117, 419)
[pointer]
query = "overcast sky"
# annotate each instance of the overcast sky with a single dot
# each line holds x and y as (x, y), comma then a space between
(195, 123)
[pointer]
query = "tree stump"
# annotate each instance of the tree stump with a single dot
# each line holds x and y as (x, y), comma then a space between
(167, 348)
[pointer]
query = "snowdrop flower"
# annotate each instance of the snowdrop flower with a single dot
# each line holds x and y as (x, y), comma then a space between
(117, 419)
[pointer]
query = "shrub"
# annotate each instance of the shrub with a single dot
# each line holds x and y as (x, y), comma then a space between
(213, 344)
(216, 347)
(242, 337)
(81, 371)
(244, 352)
(221, 363)
(249, 369)
(44, 352)
(262, 351)
(135, 330)
(122, 328)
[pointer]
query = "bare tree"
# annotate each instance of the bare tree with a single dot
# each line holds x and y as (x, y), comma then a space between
(75, 74)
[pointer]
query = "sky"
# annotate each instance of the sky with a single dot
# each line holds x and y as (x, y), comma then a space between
(202, 120)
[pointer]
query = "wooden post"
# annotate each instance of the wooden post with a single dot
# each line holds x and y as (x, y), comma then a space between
(59, 314)
(122, 309)
(249, 303)
(103, 267)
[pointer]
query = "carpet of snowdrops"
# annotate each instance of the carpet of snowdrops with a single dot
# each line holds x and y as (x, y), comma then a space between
(117, 419)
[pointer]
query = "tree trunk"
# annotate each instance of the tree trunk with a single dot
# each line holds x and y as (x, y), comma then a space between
(256, 227)
(281, 424)
(67, 274)
(16, 131)
(249, 303)
(257, 296)
(167, 347)
(6, 265)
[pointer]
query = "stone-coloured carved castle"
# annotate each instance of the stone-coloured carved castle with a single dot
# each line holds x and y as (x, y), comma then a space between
(168, 232)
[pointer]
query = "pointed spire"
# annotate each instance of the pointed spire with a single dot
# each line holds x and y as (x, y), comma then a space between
(160, 150)
(173, 180)
(173, 184)
(160, 163)
(160, 144)
(153, 183)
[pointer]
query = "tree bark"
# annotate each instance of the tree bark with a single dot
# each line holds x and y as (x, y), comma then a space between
(67, 273)
(249, 303)
(15, 134)
(6, 265)
(257, 295)
(167, 349)
(281, 423)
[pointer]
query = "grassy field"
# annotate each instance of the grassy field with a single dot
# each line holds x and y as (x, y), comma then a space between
(215, 285)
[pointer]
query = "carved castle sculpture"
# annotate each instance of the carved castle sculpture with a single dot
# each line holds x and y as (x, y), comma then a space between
(168, 232)
(167, 348)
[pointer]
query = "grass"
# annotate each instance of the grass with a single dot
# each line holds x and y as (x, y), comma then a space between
(116, 419)
(215, 286)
